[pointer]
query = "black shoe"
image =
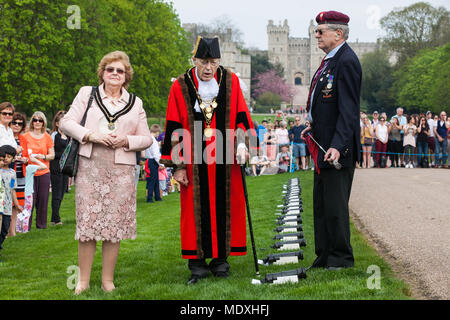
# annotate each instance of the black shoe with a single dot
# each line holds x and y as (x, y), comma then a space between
(219, 267)
(193, 280)
(334, 268)
(221, 274)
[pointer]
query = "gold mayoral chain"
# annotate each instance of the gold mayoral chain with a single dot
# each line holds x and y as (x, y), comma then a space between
(112, 118)
(207, 106)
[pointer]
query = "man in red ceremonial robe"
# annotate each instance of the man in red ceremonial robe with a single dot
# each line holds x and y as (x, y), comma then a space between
(205, 108)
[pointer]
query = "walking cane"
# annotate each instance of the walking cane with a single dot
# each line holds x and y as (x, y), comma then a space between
(249, 220)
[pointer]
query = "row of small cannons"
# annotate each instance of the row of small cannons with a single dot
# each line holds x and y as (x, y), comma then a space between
(289, 236)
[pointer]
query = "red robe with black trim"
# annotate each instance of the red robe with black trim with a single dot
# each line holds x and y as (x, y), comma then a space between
(213, 221)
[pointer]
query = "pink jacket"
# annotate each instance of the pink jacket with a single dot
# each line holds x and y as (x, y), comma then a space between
(133, 124)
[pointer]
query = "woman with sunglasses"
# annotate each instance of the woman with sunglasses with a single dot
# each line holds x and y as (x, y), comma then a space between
(105, 184)
(40, 145)
(6, 134)
(18, 125)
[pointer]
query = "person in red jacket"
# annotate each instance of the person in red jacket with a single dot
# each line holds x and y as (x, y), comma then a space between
(204, 105)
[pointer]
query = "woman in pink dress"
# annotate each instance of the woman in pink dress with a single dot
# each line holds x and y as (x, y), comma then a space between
(116, 127)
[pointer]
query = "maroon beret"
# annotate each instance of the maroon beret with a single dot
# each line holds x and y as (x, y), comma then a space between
(332, 17)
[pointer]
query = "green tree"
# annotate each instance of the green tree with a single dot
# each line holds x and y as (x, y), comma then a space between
(34, 44)
(267, 100)
(419, 26)
(151, 34)
(377, 82)
(44, 61)
(422, 83)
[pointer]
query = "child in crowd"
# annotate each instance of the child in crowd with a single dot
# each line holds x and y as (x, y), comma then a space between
(147, 177)
(283, 159)
(259, 163)
(174, 185)
(9, 180)
(153, 155)
(162, 176)
(169, 180)
(22, 224)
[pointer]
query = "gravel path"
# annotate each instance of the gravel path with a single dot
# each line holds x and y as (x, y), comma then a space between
(406, 215)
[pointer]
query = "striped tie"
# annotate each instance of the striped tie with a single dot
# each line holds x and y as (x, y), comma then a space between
(319, 71)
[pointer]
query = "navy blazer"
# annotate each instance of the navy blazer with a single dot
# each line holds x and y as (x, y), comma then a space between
(335, 108)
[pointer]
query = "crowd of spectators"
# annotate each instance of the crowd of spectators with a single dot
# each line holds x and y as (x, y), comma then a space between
(281, 147)
(409, 141)
(28, 159)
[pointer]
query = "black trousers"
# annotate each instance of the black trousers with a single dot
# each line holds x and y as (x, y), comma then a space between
(153, 181)
(59, 186)
(6, 221)
(200, 268)
(331, 218)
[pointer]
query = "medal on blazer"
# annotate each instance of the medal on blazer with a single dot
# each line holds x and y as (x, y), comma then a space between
(329, 87)
(112, 118)
(206, 106)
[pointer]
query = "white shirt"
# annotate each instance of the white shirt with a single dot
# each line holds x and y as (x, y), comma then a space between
(208, 90)
(330, 55)
(432, 124)
(382, 132)
(7, 137)
(153, 152)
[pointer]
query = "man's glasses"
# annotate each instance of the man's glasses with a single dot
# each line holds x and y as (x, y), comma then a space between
(9, 114)
(320, 31)
(16, 123)
(38, 120)
(213, 63)
(118, 70)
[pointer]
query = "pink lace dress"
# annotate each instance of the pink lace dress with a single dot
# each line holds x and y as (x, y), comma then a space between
(105, 198)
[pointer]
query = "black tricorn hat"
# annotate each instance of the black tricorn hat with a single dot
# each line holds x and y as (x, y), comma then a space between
(207, 48)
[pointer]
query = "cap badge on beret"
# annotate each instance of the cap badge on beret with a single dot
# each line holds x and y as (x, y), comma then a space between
(207, 48)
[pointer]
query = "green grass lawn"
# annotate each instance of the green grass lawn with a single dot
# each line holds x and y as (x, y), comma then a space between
(35, 265)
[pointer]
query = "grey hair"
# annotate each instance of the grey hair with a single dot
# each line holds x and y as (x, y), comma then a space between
(345, 29)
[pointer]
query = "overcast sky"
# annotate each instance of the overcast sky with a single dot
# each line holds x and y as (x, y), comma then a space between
(252, 16)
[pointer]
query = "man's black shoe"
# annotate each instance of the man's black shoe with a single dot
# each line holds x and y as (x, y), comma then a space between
(334, 268)
(221, 274)
(193, 280)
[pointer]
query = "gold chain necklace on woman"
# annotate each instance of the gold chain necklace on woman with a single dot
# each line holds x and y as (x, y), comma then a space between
(207, 106)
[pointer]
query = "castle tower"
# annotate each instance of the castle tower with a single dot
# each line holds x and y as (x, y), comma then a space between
(316, 55)
(278, 41)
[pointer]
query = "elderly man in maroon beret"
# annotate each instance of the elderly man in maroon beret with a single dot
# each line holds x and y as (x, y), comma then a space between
(333, 110)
